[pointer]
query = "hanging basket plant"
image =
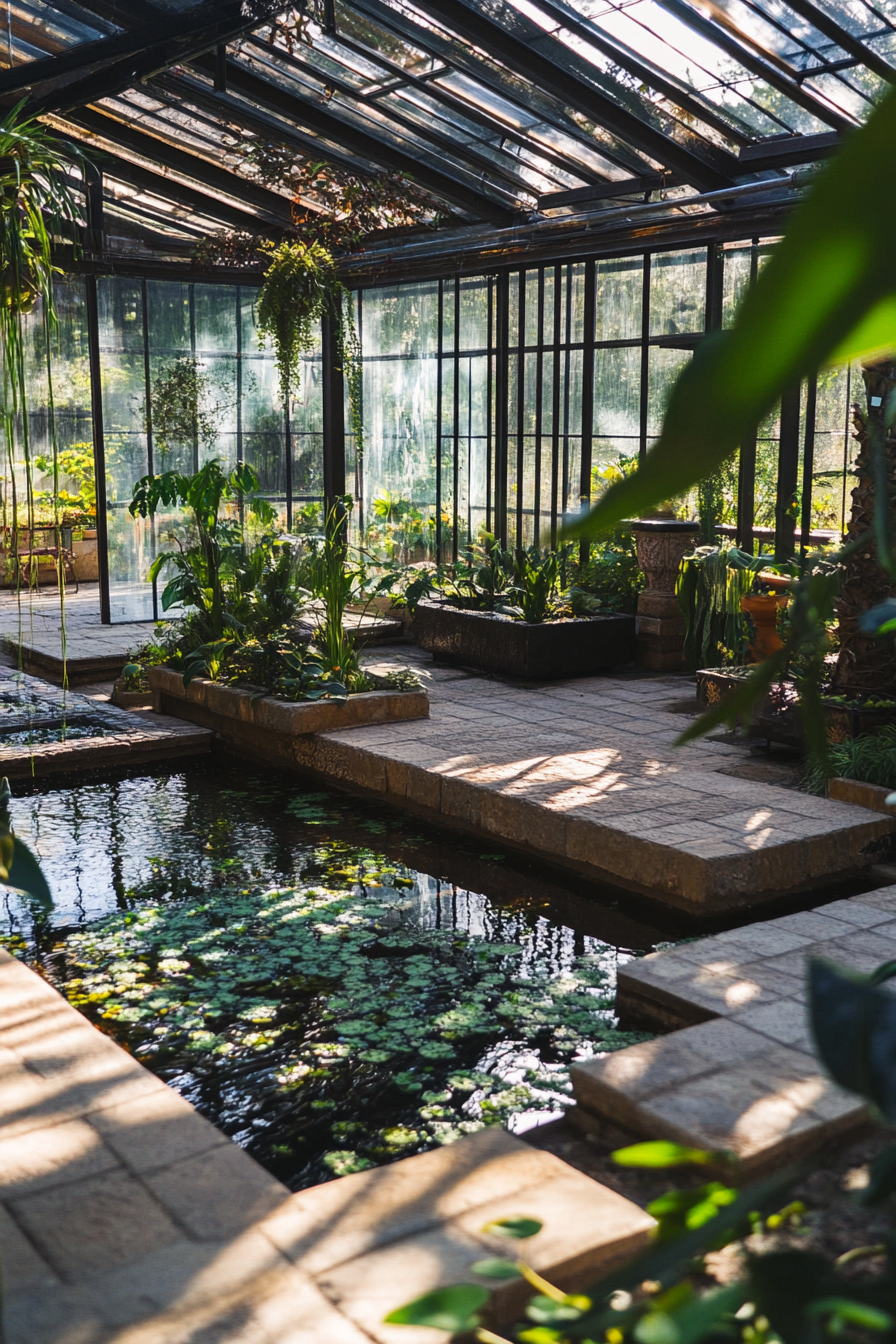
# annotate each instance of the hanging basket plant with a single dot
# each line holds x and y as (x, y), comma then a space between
(301, 286)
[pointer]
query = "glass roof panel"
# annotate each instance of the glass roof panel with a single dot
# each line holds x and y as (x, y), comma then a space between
(681, 82)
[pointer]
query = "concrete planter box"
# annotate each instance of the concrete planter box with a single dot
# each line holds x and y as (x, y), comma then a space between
(496, 643)
(131, 699)
(872, 796)
(267, 728)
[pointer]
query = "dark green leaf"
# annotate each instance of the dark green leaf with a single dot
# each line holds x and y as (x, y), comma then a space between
(856, 1313)
(25, 874)
(517, 1228)
(697, 1317)
(854, 1025)
(547, 1311)
(451, 1309)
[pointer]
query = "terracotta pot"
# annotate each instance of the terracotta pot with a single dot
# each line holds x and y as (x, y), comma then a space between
(763, 608)
(780, 582)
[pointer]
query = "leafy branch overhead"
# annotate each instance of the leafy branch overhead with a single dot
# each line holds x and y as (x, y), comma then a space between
(827, 295)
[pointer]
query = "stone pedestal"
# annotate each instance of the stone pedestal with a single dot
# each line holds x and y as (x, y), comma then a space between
(661, 542)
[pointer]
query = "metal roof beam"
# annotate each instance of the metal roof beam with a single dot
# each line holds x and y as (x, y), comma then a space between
(470, 149)
(370, 148)
(221, 181)
(132, 57)
(664, 83)
(789, 151)
(429, 86)
(837, 33)
(765, 69)
(468, 62)
(168, 189)
(556, 79)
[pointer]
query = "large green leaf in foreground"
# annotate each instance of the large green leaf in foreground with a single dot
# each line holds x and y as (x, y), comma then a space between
(827, 295)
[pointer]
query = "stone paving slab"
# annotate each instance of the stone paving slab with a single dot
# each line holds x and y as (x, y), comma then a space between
(126, 1218)
(123, 738)
(586, 774)
(739, 1073)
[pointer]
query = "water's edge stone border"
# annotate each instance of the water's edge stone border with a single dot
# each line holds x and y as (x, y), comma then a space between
(737, 1070)
(126, 1215)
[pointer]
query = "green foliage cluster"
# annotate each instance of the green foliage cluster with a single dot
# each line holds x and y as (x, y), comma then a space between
(37, 206)
(358, 1034)
(76, 462)
(244, 596)
(711, 583)
(301, 287)
(534, 585)
(870, 758)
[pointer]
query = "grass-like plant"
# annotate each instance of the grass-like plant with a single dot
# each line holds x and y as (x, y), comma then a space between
(869, 758)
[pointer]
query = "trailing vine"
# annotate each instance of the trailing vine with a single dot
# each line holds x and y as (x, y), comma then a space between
(36, 207)
(301, 286)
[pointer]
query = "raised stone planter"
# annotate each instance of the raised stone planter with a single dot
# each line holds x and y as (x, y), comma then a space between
(872, 796)
(495, 643)
(267, 728)
(131, 699)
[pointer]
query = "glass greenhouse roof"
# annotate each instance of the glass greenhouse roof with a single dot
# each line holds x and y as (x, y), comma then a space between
(493, 107)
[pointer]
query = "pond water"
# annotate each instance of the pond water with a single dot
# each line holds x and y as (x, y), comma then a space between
(333, 984)
(60, 730)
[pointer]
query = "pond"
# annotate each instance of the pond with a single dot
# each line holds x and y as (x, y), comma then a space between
(332, 983)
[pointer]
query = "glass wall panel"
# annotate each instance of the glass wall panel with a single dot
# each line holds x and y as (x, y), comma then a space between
(619, 294)
(185, 380)
(677, 292)
(835, 448)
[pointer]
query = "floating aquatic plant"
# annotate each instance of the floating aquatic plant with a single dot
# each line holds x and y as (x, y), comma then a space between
(333, 1031)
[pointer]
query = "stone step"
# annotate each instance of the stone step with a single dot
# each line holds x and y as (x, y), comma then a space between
(126, 1218)
(739, 1073)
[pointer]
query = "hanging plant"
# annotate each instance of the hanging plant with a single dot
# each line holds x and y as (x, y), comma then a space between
(300, 287)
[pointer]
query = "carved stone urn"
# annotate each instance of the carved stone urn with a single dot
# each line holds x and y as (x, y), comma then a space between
(662, 544)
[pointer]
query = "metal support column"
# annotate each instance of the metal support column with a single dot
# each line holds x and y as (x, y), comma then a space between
(746, 467)
(502, 393)
(788, 473)
(808, 465)
(587, 394)
(99, 447)
(333, 413)
(645, 359)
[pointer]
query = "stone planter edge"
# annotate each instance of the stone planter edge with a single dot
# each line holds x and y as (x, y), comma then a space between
(860, 794)
(285, 718)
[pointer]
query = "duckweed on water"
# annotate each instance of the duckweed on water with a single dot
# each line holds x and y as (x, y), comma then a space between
(322, 1021)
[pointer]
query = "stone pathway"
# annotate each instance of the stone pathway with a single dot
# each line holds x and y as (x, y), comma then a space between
(33, 624)
(586, 773)
(28, 704)
(126, 1218)
(744, 1076)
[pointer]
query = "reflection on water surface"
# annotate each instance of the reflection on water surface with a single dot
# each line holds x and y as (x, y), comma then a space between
(334, 985)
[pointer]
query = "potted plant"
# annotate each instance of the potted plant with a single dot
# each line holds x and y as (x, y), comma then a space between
(762, 607)
(517, 613)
